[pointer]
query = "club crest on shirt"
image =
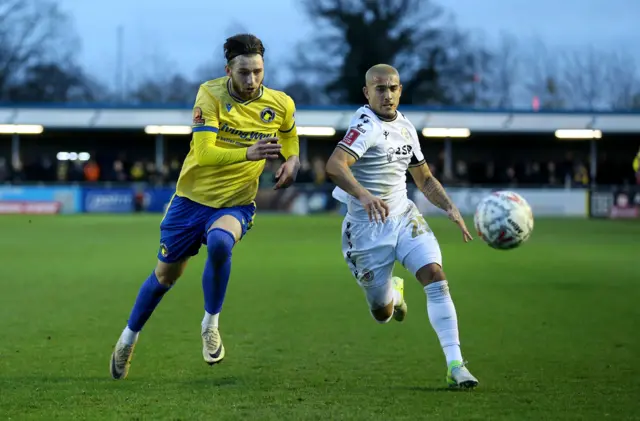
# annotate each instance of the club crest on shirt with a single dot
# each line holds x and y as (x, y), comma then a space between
(405, 133)
(366, 276)
(267, 115)
(197, 117)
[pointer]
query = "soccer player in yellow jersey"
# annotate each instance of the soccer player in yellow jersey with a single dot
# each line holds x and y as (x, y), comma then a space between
(237, 124)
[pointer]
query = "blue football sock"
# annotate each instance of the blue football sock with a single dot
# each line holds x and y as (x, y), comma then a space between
(151, 292)
(208, 284)
(217, 269)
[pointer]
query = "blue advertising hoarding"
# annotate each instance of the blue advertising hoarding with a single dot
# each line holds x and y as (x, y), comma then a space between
(157, 199)
(108, 200)
(75, 199)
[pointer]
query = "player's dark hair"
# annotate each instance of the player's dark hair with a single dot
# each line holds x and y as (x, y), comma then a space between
(241, 44)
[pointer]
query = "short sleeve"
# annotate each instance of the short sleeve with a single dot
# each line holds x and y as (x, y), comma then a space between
(417, 158)
(359, 138)
(205, 112)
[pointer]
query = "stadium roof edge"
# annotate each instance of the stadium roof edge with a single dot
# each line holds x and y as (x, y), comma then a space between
(100, 117)
(407, 108)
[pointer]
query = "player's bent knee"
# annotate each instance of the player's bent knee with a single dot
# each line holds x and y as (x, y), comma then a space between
(383, 314)
(229, 224)
(430, 273)
(169, 273)
(220, 243)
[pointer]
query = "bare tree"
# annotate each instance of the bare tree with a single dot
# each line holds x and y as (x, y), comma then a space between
(158, 81)
(32, 32)
(174, 89)
(585, 76)
(50, 82)
(544, 78)
(506, 78)
(623, 82)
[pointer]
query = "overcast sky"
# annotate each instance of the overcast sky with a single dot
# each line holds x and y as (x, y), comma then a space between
(184, 35)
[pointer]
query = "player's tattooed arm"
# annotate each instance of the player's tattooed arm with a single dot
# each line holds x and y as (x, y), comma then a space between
(434, 191)
(436, 194)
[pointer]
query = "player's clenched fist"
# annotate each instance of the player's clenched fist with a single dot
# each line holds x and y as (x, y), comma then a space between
(375, 207)
(264, 149)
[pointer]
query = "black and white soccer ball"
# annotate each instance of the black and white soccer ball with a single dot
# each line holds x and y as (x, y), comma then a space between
(503, 220)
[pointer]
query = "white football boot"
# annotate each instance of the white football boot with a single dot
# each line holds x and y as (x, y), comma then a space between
(121, 359)
(399, 311)
(212, 348)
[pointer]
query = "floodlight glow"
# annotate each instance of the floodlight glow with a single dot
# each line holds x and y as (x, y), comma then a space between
(21, 129)
(167, 129)
(73, 156)
(578, 134)
(316, 131)
(443, 132)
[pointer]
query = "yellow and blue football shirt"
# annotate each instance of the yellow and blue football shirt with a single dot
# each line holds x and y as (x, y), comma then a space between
(216, 172)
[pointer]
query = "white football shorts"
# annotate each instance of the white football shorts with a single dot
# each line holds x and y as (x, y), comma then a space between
(371, 251)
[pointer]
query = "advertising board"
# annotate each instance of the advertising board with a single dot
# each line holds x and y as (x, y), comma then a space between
(40, 199)
(108, 200)
(615, 203)
(543, 202)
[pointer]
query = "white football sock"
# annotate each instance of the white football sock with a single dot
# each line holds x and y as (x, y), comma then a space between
(210, 320)
(443, 318)
(128, 336)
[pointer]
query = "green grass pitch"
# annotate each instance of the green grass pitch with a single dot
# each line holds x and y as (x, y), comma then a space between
(552, 329)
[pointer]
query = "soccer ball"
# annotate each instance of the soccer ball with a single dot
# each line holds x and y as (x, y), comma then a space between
(503, 220)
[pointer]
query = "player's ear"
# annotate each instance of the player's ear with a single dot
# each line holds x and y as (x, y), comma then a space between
(227, 69)
(365, 92)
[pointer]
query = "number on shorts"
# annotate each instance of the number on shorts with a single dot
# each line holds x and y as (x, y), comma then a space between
(419, 226)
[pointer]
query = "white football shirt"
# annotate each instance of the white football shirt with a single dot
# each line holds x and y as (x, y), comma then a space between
(383, 150)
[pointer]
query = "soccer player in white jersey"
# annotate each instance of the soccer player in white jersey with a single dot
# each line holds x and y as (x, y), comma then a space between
(383, 225)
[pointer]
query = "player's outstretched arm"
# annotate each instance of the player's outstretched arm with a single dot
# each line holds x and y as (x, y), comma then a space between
(339, 172)
(436, 194)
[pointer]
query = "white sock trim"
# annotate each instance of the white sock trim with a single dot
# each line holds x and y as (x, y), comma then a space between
(210, 320)
(128, 336)
(437, 289)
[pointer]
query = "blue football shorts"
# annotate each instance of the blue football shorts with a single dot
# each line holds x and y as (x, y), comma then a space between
(185, 225)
